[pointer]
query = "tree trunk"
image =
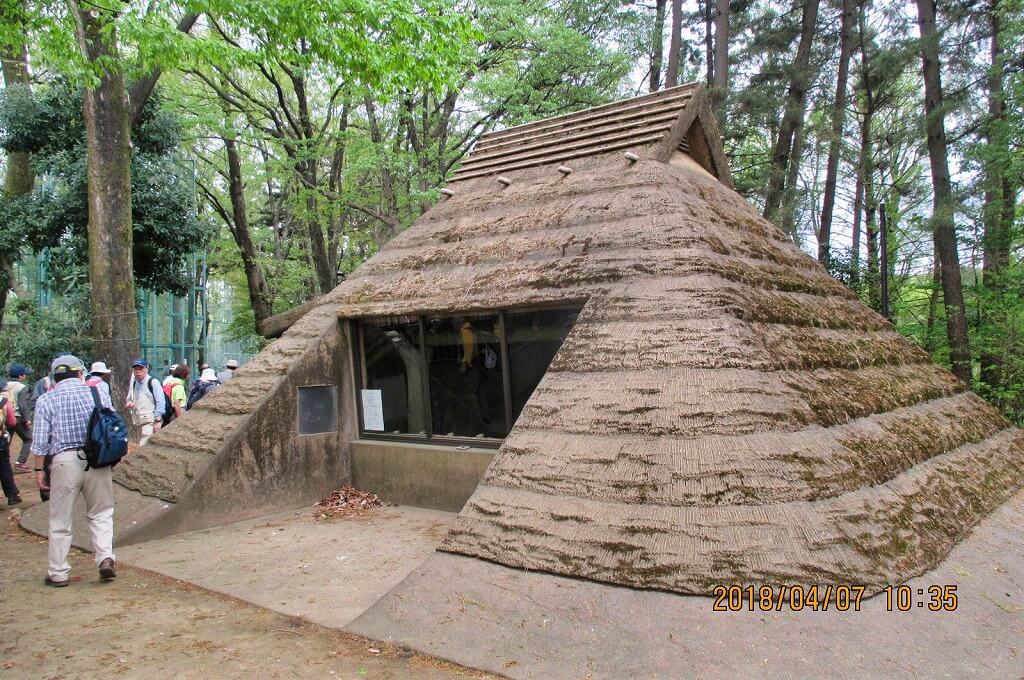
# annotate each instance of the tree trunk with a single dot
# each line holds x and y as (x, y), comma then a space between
(259, 293)
(658, 45)
(796, 102)
(883, 259)
(858, 206)
(709, 41)
(943, 201)
(933, 299)
(787, 212)
(19, 178)
(675, 45)
(720, 81)
(835, 141)
(115, 323)
(996, 240)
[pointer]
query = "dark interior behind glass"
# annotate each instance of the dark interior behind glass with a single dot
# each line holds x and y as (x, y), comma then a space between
(455, 377)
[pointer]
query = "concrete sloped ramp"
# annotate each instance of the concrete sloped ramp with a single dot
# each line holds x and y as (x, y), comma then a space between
(536, 625)
(131, 510)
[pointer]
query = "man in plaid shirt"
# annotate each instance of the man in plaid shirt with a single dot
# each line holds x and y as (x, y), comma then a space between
(61, 420)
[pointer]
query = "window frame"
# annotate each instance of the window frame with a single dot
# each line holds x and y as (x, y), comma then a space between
(360, 377)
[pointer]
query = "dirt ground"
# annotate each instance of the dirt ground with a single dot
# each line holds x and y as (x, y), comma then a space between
(143, 625)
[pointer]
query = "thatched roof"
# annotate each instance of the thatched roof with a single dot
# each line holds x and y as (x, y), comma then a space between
(722, 412)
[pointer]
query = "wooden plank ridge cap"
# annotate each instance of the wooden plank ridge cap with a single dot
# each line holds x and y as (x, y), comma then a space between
(532, 127)
(674, 104)
(627, 144)
(581, 142)
(574, 133)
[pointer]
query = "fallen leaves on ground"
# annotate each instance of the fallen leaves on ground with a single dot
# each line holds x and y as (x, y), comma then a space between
(345, 502)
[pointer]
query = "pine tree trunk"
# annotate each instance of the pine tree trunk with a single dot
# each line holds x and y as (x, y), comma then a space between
(675, 45)
(883, 260)
(796, 103)
(259, 292)
(835, 141)
(996, 239)
(709, 42)
(115, 323)
(720, 82)
(943, 201)
(658, 47)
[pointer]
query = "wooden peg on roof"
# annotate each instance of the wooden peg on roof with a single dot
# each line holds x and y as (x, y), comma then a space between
(631, 157)
(447, 192)
(504, 180)
(564, 169)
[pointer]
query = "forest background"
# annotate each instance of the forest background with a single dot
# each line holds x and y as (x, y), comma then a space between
(884, 137)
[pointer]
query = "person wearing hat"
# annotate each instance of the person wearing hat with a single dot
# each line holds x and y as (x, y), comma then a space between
(229, 370)
(7, 420)
(99, 377)
(61, 424)
(19, 395)
(206, 383)
(145, 400)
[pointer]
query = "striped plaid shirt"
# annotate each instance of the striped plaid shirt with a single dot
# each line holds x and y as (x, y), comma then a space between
(62, 417)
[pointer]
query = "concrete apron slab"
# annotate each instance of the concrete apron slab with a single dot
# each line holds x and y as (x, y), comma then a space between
(325, 571)
(536, 625)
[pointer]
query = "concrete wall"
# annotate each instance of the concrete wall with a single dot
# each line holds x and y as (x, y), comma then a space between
(265, 465)
(424, 475)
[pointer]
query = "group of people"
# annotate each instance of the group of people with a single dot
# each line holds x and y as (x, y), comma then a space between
(52, 420)
(150, 404)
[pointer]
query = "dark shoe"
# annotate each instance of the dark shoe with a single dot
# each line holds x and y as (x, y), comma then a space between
(107, 569)
(14, 501)
(56, 584)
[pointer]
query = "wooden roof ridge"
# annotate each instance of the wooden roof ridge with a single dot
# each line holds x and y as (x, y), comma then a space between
(657, 125)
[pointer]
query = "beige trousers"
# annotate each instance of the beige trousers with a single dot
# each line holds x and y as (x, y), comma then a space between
(67, 478)
(146, 432)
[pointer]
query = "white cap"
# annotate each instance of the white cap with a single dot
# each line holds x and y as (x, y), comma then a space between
(99, 367)
(209, 375)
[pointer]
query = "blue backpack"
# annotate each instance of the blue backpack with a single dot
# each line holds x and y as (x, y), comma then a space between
(107, 437)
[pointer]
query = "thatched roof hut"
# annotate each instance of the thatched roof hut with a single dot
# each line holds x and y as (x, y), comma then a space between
(722, 411)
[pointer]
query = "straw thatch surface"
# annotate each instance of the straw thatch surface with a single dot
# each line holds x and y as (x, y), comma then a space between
(722, 412)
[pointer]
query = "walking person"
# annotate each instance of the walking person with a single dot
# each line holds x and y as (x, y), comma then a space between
(229, 370)
(20, 400)
(206, 384)
(145, 401)
(7, 420)
(174, 391)
(99, 377)
(62, 419)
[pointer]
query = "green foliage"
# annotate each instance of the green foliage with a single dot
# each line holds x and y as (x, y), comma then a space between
(164, 222)
(39, 334)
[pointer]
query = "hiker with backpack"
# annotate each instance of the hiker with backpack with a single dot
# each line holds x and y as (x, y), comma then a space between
(99, 377)
(62, 431)
(174, 393)
(207, 383)
(19, 396)
(7, 421)
(146, 402)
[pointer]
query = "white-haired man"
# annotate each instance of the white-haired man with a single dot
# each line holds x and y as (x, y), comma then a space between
(61, 421)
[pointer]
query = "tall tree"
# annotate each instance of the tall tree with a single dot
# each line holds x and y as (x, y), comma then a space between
(115, 325)
(793, 112)
(1000, 196)
(943, 202)
(836, 132)
(657, 46)
(720, 72)
(675, 45)
(19, 178)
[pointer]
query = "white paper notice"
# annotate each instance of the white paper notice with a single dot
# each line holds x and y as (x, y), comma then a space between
(373, 410)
